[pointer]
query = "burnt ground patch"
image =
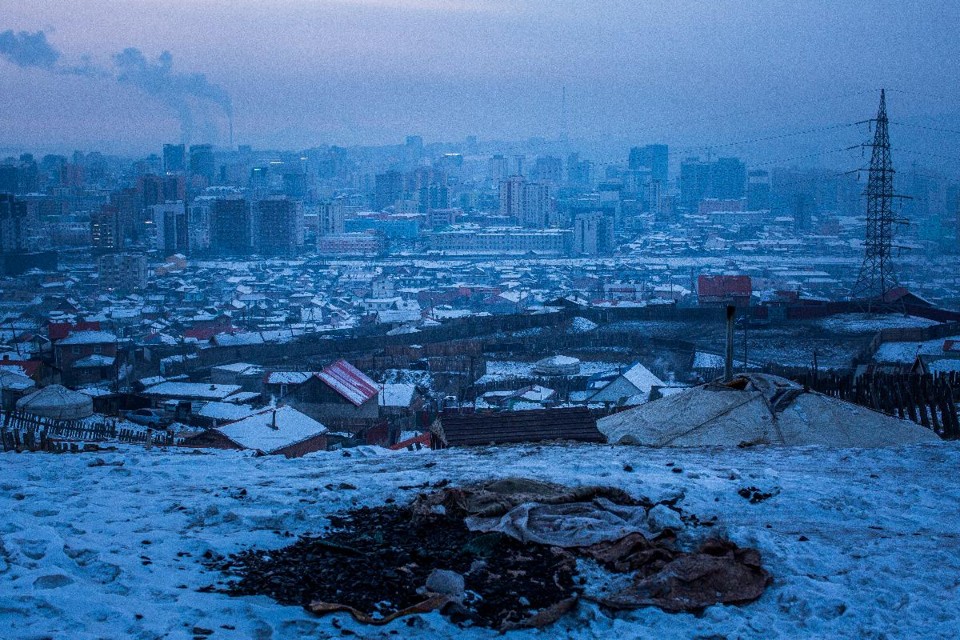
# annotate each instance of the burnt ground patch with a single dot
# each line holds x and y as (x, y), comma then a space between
(378, 560)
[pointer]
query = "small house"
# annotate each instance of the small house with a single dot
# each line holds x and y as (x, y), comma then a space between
(277, 431)
(633, 386)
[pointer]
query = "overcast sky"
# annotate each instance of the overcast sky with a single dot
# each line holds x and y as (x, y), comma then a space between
(299, 73)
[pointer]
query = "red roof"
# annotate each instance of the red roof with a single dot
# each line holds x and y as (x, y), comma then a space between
(423, 439)
(349, 382)
(60, 330)
(724, 286)
(30, 367)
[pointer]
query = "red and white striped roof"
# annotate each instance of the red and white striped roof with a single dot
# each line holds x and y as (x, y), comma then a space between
(349, 382)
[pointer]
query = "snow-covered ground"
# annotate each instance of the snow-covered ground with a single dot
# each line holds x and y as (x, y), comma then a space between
(866, 322)
(907, 352)
(862, 543)
(500, 370)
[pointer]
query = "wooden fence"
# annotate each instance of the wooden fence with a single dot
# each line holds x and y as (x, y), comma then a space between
(26, 432)
(929, 400)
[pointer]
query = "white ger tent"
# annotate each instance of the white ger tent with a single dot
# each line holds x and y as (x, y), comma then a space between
(757, 409)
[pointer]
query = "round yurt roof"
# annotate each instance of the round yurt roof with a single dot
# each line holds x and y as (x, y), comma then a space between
(757, 409)
(15, 381)
(57, 402)
(557, 365)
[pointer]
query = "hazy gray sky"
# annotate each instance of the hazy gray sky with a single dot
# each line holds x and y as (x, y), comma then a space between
(300, 73)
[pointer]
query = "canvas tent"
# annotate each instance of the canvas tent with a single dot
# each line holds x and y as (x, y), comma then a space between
(757, 409)
(57, 402)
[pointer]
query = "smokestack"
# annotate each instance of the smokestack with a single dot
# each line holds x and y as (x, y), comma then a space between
(728, 361)
(230, 120)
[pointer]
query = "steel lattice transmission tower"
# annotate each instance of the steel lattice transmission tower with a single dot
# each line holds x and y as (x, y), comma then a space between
(876, 277)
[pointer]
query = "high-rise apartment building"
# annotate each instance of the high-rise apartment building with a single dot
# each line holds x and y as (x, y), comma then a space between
(655, 157)
(231, 226)
(279, 225)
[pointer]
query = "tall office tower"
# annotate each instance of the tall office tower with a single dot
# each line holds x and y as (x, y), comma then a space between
(694, 182)
(388, 188)
(592, 234)
(548, 169)
(758, 190)
(295, 185)
(512, 192)
(171, 227)
(13, 224)
(174, 158)
(538, 205)
(279, 225)
(174, 188)
(655, 157)
(331, 217)
(579, 172)
(202, 162)
(728, 178)
(127, 203)
(198, 221)
(413, 150)
(497, 169)
(9, 179)
(150, 190)
(105, 234)
(231, 226)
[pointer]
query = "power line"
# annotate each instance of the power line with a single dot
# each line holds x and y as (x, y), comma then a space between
(928, 128)
(780, 136)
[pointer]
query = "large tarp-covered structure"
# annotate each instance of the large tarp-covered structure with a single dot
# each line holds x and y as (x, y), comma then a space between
(757, 409)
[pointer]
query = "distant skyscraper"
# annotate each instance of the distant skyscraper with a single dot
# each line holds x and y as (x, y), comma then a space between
(105, 234)
(202, 162)
(758, 190)
(331, 218)
(548, 169)
(655, 157)
(388, 189)
(13, 224)
(174, 158)
(497, 170)
(538, 206)
(9, 179)
(172, 228)
(579, 172)
(512, 197)
(231, 226)
(694, 182)
(279, 225)
(728, 178)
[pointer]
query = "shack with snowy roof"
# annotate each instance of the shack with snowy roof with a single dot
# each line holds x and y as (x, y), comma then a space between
(633, 386)
(275, 431)
(339, 396)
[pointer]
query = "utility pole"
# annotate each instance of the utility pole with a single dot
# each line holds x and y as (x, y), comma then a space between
(876, 277)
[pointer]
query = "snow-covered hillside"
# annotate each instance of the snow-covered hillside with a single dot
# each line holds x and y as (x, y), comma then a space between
(861, 543)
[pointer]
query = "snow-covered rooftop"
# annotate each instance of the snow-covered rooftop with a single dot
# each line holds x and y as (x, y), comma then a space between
(273, 429)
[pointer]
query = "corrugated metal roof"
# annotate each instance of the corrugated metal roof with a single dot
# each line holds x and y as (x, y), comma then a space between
(349, 382)
(489, 427)
(720, 286)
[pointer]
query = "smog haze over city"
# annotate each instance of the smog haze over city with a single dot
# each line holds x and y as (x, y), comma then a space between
(460, 318)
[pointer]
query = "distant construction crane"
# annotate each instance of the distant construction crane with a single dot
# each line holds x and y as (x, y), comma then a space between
(876, 277)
